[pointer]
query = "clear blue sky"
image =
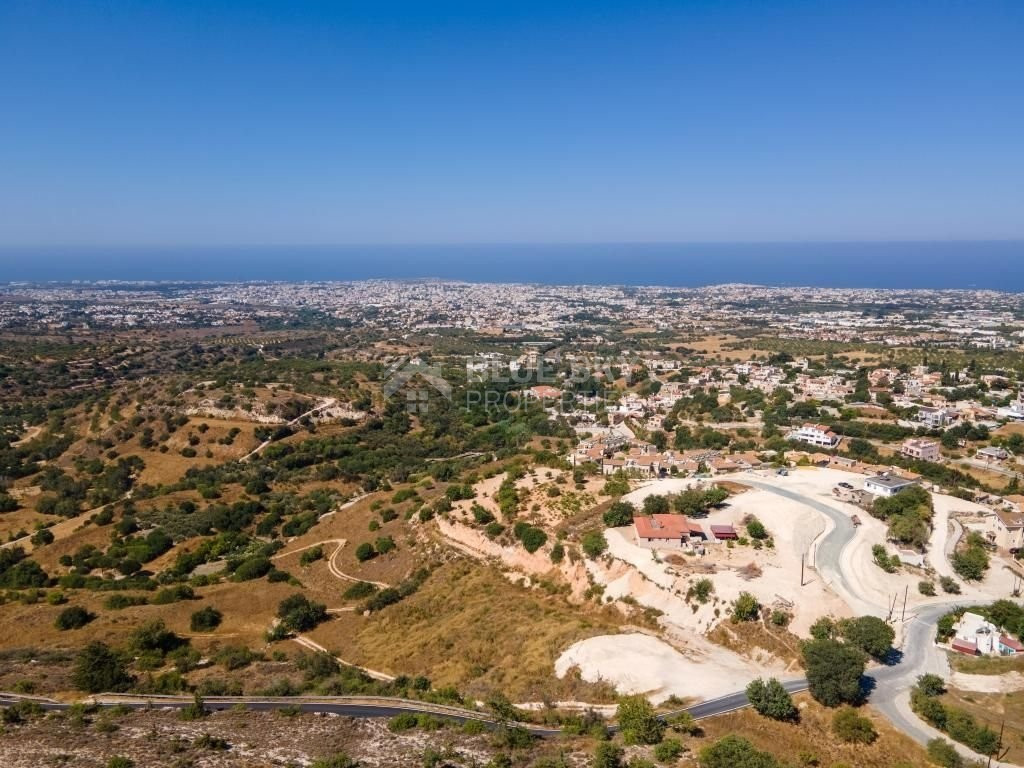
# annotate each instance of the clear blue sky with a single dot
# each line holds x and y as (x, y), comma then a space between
(216, 122)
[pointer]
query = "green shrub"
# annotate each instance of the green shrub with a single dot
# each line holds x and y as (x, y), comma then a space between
(206, 619)
(365, 551)
(852, 728)
(668, 751)
(74, 617)
(745, 608)
(359, 590)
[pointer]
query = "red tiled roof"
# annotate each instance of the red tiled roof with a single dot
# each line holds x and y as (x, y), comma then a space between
(1011, 643)
(664, 526)
(724, 532)
(965, 646)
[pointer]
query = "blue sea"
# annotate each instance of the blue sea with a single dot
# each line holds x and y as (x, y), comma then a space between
(995, 265)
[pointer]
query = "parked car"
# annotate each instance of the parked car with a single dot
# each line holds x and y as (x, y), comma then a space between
(847, 486)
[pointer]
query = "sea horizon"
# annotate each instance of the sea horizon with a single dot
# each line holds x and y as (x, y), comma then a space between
(954, 264)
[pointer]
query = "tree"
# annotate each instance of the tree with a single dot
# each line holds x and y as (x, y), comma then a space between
(98, 669)
(619, 514)
(735, 752)
(656, 505)
(869, 633)
(770, 699)
(834, 671)
(298, 614)
(206, 619)
(638, 722)
(971, 562)
(42, 537)
(745, 608)
(73, 617)
(852, 728)
(593, 543)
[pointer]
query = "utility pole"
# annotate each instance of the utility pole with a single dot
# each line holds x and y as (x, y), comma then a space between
(802, 570)
(903, 615)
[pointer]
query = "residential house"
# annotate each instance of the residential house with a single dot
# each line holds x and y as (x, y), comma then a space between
(886, 485)
(922, 450)
(815, 434)
(935, 418)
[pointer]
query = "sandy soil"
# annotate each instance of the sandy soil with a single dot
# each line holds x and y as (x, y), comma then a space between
(637, 663)
(1008, 682)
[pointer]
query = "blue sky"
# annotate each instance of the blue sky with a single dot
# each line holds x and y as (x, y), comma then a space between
(215, 122)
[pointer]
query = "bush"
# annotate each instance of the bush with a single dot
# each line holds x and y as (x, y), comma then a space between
(701, 590)
(253, 568)
(608, 755)
(311, 555)
(532, 538)
(339, 760)
(926, 588)
(770, 699)
(74, 617)
(756, 530)
(638, 722)
(593, 543)
(206, 619)
(735, 752)
(384, 545)
(971, 563)
(745, 608)
(852, 728)
(668, 750)
(949, 585)
(941, 752)
(120, 761)
(365, 551)
(359, 590)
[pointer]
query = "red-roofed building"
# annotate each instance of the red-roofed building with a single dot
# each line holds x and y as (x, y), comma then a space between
(723, 532)
(665, 528)
(970, 647)
(1009, 645)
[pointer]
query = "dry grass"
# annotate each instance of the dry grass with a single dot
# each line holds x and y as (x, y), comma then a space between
(986, 665)
(996, 710)
(749, 637)
(813, 737)
(471, 627)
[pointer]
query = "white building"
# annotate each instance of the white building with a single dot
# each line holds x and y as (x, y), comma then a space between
(935, 418)
(886, 485)
(815, 434)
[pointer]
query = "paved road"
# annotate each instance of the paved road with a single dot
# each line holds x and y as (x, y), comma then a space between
(828, 554)
(365, 707)
(891, 684)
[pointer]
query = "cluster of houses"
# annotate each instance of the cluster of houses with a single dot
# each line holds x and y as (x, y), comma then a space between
(616, 453)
